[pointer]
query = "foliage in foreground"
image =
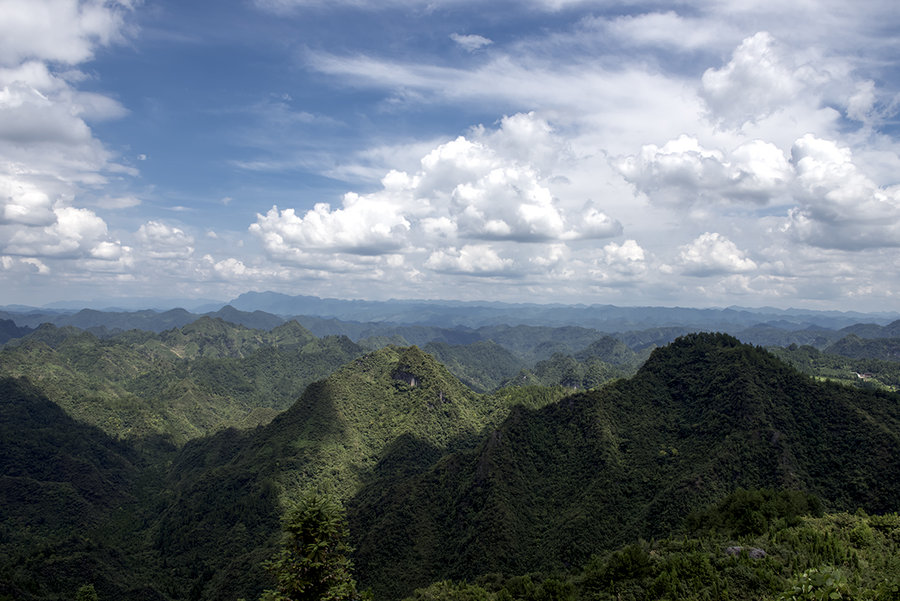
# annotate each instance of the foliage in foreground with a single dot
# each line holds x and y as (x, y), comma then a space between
(793, 558)
(313, 562)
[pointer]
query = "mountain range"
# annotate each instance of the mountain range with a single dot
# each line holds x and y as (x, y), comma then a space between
(157, 465)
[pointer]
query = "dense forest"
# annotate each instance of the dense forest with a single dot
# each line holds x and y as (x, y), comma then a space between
(505, 462)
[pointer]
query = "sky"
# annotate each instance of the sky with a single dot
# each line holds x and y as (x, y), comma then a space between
(703, 153)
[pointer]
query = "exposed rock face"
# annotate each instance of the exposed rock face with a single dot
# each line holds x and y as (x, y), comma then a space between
(752, 552)
(407, 377)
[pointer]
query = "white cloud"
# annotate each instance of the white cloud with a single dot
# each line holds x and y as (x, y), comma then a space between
(76, 233)
(482, 188)
(713, 254)
(117, 202)
(24, 203)
(620, 103)
(472, 259)
(839, 206)
(684, 172)
(287, 6)
(64, 31)
(364, 226)
(162, 241)
(663, 29)
(627, 258)
(26, 265)
(766, 77)
(37, 107)
(862, 103)
(527, 139)
(470, 42)
(753, 84)
(48, 153)
(235, 270)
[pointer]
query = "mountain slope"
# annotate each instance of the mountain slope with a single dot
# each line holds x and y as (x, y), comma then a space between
(552, 486)
(391, 412)
(179, 384)
(482, 366)
(63, 485)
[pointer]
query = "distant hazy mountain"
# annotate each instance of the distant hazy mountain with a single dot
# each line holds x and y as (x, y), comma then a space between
(606, 318)
(138, 303)
(150, 320)
(9, 330)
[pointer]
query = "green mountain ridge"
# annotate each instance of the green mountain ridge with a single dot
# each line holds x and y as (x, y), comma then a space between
(63, 487)
(702, 416)
(391, 411)
(179, 384)
(440, 482)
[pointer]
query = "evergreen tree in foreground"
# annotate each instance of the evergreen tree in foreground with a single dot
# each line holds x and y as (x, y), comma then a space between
(87, 593)
(313, 563)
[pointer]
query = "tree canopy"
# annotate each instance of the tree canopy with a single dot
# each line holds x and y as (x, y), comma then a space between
(313, 562)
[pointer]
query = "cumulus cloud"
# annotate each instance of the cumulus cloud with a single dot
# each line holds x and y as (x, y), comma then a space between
(64, 31)
(682, 171)
(38, 107)
(23, 265)
(232, 269)
(163, 241)
(627, 258)
(713, 254)
(24, 203)
(76, 233)
(765, 78)
(481, 189)
(470, 42)
(839, 206)
(363, 226)
(472, 259)
(526, 139)
(753, 84)
(47, 149)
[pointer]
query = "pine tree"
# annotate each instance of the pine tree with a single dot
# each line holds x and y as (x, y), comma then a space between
(86, 593)
(313, 563)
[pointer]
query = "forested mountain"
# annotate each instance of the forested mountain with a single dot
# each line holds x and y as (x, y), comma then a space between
(702, 416)
(859, 372)
(179, 384)
(856, 347)
(9, 330)
(439, 481)
(462, 323)
(482, 366)
(69, 496)
(393, 411)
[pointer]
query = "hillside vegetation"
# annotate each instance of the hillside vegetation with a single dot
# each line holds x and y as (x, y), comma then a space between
(701, 417)
(179, 384)
(582, 479)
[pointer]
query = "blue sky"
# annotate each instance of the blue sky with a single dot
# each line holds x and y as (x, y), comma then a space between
(634, 153)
